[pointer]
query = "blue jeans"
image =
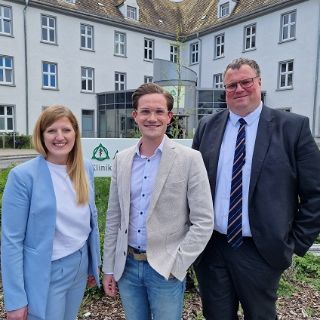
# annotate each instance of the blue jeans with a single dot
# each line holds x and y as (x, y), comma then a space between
(146, 295)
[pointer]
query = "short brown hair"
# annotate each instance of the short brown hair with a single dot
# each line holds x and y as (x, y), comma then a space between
(150, 88)
(237, 63)
(75, 165)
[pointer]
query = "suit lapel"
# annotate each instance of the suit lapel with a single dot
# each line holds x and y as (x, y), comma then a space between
(166, 162)
(214, 144)
(264, 133)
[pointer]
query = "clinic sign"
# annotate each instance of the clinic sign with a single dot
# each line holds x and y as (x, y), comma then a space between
(102, 151)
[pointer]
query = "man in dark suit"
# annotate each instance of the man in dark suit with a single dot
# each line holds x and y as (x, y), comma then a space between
(264, 171)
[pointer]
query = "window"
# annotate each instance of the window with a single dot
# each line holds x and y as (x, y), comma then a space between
(5, 20)
(86, 32)
(87, 117)
(250, 37)
(87, 79)
(48, 29)
(148, 79)
(174, 53)
(49, 75)
(217, 81)
(288, 26)
(6, 70)
(148, 49)
(132, 13)
(120, 44)
(120, 81)
(194, 52)
(6, 118)
(219, 46)
(224, 10)
(286, 75)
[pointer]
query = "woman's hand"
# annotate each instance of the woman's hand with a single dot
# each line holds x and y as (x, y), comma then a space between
(91, 282)
(19, 314)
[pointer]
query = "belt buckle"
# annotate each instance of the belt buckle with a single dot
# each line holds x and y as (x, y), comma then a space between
(142, 256)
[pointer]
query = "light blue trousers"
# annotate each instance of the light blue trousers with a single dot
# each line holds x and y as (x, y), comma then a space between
(67, 285)
(146, 295)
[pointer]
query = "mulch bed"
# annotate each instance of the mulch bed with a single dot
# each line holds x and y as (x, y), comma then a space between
(303, 304)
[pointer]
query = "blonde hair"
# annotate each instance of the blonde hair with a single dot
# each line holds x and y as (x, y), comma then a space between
(75, 164)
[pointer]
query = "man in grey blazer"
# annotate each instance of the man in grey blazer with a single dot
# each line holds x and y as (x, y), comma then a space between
(160, 214)
(272, 177)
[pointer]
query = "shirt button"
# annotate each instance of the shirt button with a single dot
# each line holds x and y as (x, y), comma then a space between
(148, 160)
(143, 194)
(145, 177)
(139, 231)
(139, 247)
(141, 212)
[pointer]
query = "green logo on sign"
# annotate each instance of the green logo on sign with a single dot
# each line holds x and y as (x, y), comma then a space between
(100, 153)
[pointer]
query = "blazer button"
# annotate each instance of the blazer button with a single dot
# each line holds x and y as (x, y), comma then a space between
(126, 231)
(124, 253)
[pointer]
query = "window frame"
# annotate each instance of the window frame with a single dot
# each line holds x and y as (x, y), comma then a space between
(218, 84)
(49, 74)
(174, 53)
(252, 37)
(5, 69)
(148, 47)
(194, 52)
(148, 79)
(86, 36)
(87, 78)
(219, 46)
(132, 13)
(48, 28)
(224, 9)
(286, 74)
(4, 19)
(290, 25)
(118, 44)
(5, 116)
(118, 83)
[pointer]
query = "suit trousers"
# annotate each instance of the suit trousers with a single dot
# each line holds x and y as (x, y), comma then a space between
(228, 276)
(67, 285)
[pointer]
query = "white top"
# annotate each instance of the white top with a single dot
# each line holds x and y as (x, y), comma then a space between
(224, 172)
(72, 220)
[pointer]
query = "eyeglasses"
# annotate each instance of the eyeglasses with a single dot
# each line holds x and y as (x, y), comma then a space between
(157, 112)
(245, 83)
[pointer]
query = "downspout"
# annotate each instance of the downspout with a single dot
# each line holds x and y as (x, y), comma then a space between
(26, 64)
(316, 81)
(199, 79)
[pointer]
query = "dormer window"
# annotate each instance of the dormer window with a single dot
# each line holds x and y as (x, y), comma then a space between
(71, 1)
(224, 9)
(132, 13)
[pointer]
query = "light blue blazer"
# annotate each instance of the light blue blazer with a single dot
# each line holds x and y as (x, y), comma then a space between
(28, 228)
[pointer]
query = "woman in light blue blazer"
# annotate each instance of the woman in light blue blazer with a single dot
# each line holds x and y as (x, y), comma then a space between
(49, 238)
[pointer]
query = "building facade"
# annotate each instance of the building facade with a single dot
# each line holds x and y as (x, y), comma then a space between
(74, 52)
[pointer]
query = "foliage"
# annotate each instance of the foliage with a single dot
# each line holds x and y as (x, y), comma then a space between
(15, 140)
(3, 179)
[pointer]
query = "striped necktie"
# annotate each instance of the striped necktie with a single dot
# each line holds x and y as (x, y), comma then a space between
(234, 232)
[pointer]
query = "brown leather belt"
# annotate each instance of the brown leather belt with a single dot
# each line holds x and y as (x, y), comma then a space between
(136, 254)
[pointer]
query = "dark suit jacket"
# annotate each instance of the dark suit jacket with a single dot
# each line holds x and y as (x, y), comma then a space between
(284, 192)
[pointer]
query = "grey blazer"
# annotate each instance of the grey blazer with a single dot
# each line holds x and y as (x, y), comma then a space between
(180, 216)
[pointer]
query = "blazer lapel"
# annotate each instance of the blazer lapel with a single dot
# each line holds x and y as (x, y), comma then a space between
(125, 181)
(167, 159)
(264, 132)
